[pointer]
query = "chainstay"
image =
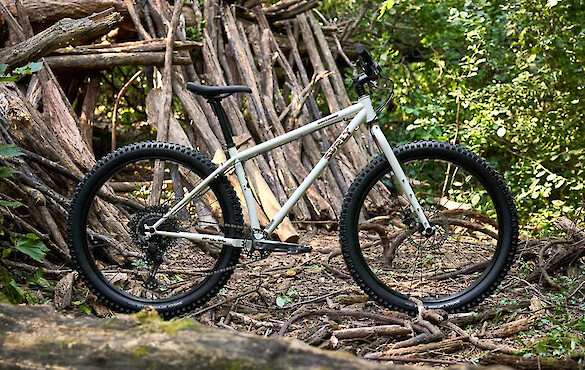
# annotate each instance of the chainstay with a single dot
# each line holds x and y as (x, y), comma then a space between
(248, 229)
(247, 232)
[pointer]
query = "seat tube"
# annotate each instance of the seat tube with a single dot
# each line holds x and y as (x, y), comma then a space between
(238, 166)
(402, 179)
(248, 196)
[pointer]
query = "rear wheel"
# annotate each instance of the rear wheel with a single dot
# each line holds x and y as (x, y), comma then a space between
(473, 217)
(121, 195)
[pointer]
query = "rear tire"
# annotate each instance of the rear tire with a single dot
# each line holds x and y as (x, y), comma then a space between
(113, 202)
(476, 229)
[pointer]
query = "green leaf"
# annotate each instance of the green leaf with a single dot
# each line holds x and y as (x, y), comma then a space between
(84, 309)
(6, 171)
(551, 3)
(15, 294)
(541, 347)
(9, 78)
(280, 302)
(31, 246)
(6, 252)
(28, 69)
(10, 151)
(10, 204)
(19, 72)
(386, 5)
(38, 279)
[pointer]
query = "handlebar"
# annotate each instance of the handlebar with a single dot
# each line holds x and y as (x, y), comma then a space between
(371, 72)
(367, 64)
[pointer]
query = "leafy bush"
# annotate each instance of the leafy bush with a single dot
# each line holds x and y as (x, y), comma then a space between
(27, 245)
(17, 73)
(503, 78)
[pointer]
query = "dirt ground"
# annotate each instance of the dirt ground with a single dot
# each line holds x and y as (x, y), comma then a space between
(526, 323)
(262, 296)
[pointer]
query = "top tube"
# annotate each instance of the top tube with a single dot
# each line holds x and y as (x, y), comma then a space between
(350, 111)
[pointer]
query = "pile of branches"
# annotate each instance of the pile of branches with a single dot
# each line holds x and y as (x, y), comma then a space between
(279, 50)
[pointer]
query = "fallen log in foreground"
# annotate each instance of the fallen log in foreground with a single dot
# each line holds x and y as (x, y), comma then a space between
(37, 336)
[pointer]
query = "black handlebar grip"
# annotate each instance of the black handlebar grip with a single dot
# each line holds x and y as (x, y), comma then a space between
(366, 57)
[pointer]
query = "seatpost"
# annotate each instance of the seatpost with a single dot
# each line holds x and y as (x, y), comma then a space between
(223, 122)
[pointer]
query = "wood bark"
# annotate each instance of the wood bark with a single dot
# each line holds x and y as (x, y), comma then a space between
(45, 338)
(444, 346)
(164, 109)
(530, 363)
(131, 47)
(46, 12)
(88, 108)
(566, 254)
(101, 61)
(55, 135)
(381, 330)
(65, 32)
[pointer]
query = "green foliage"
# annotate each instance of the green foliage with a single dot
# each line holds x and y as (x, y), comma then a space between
(30, 245)
(82, 306)
(6, 171)
(38, 279)
(8, 151)
(17, 73)
(562, 338)
(284, 299)
(504, 78)
(12, 292)
(131, 118)
(6, 203)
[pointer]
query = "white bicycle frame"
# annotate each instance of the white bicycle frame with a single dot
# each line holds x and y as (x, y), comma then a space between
(362, 111)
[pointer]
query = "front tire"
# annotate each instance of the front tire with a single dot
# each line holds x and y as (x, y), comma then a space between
(475, 222)
(107, 219)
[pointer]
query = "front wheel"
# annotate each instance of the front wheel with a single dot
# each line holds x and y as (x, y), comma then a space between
(473, 217)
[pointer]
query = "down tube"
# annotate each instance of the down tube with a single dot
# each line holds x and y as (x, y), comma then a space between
(316, 171)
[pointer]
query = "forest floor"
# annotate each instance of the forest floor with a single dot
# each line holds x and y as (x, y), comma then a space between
(312, 298)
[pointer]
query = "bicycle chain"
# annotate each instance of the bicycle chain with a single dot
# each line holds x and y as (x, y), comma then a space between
(169, 246)
(261, 254)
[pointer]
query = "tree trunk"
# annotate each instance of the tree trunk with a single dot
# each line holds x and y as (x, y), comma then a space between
(45, 338)
(47, 12)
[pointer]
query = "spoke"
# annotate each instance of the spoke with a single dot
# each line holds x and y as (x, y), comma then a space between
(465, 234)
(184, 265)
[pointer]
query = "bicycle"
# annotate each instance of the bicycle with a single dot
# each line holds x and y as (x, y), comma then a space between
(426, 220)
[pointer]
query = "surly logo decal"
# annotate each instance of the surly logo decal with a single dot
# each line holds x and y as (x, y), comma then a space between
(338, 142)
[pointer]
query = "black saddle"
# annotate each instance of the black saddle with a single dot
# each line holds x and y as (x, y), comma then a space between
(216, 92)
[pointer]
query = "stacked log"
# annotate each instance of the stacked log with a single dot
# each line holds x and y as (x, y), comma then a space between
(279, 50)
(56, 153)
(240, 47)
(44, 338)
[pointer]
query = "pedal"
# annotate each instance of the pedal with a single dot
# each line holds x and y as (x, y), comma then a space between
(275, 246)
